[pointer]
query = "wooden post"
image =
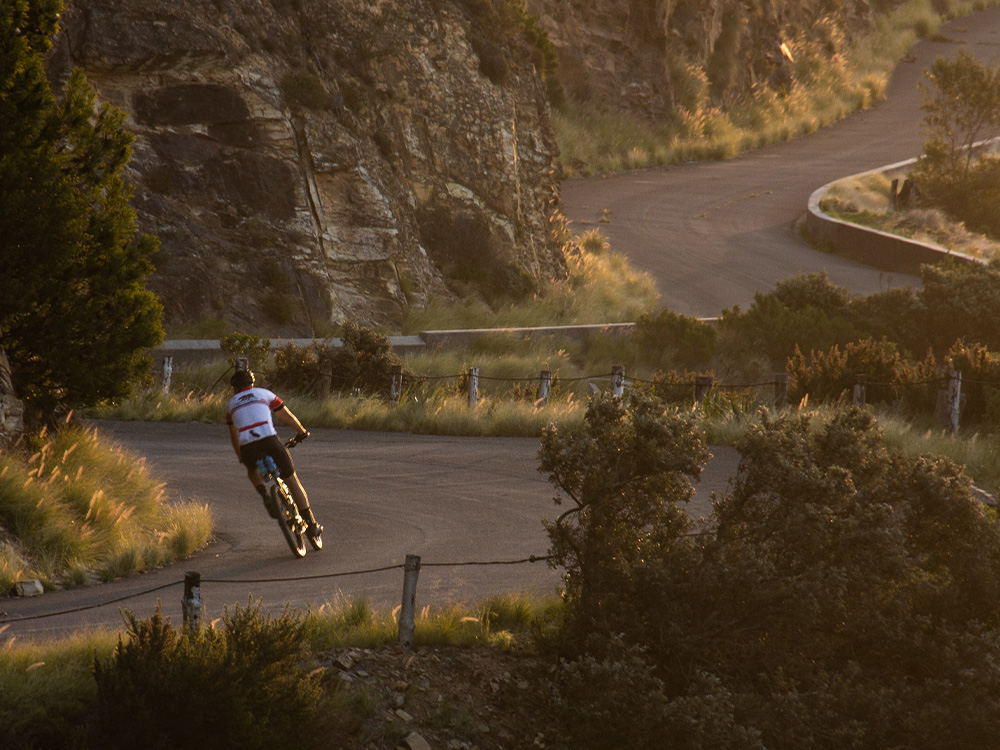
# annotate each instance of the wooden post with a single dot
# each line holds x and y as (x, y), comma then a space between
(325, 378)
(411, 571)
(473, 387)
(954, 400)
(168, 372)
(780, 390)
(702, 385)
(242, 363)
(860, 390)
(893, 193)
(396, 386)
(617, 381)
(544, 387)
(191, 601)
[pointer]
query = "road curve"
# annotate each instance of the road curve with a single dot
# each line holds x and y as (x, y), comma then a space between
(380, 496)
(712, 234)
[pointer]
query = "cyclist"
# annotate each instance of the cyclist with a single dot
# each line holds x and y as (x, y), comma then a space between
(251, 429)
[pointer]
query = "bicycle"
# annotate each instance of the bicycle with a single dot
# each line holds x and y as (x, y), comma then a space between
(293, 527)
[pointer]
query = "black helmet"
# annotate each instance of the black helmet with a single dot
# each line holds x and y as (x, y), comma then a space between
(242, 379)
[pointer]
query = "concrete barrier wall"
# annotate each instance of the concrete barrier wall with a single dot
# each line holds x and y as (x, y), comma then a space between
(870, 246)
(196, 351)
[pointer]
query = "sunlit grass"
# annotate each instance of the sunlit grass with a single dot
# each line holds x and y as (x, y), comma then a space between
(601, 287)
(82, 507)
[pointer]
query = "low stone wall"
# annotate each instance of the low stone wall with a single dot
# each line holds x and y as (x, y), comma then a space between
(882, 250)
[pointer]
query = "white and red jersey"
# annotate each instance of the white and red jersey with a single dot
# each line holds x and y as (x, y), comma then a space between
(250, 412)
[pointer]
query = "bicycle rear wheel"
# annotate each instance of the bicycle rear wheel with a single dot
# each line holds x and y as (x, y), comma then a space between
(286, 520)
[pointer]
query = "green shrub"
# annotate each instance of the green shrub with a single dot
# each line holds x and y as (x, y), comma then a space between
(243, 345)
(804, 311)
(845, 598)
(980, 369)
(667, 339)
(241, 685)
(831, 375)
(364, 362)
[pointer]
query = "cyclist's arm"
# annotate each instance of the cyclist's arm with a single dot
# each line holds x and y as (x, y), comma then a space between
(286, 416)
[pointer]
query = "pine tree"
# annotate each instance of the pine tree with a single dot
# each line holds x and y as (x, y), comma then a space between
(75, 315)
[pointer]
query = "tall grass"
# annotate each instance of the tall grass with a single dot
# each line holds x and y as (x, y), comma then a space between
(48, 693)
(601, 287)
(80, 508)
(827, 87)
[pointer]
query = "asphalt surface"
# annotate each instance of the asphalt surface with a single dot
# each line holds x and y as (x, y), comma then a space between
(380, 497)
(713, 234)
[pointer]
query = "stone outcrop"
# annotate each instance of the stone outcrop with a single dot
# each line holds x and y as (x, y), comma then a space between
(11, 407)
(650, 57)
(306, 161)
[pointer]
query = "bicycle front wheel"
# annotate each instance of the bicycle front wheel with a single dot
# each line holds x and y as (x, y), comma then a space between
(286, 520)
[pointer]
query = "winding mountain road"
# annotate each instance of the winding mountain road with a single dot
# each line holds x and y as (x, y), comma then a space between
(710, 234)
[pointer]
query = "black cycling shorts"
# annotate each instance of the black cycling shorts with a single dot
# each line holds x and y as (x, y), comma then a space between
(271, 446)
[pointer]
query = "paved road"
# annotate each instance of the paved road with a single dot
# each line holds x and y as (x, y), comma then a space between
(712, 234)
(381, 496)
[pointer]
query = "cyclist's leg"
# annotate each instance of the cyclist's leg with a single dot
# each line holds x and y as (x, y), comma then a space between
(302, 500)
(249, 456)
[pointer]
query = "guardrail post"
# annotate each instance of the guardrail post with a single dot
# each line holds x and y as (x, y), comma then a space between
(544, 387)
(860, 390)
(396, 386)
(191, 601)
(780, 390)
(411, 571)
(954, 399)
(617, 381)
(473, 387)
(702, 385)
(168, 372)
(325, 378)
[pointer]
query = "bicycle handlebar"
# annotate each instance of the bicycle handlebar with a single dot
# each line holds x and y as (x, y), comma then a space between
(297, 439)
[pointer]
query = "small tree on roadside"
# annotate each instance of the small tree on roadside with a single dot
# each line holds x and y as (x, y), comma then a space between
(75, 315)
(962, 106)
(626, 472)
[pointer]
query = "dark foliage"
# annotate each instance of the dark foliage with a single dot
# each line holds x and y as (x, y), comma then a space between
(75, 315)
(845, 598)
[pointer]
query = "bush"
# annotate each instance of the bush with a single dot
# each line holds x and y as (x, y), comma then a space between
(806, 311)
(831, 375)
(625, 472)
(670, 339)
(238, 686)
(243, 345)
(845, 599)
(365, 363)
(980, 371)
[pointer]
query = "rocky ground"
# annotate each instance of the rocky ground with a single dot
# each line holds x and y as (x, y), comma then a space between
(448, 698)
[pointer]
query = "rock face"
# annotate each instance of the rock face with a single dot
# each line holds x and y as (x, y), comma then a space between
(306, 161)
(11, 408)
(651, 57)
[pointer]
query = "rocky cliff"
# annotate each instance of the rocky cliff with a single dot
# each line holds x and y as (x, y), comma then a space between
(652, 57)
(305, 161)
